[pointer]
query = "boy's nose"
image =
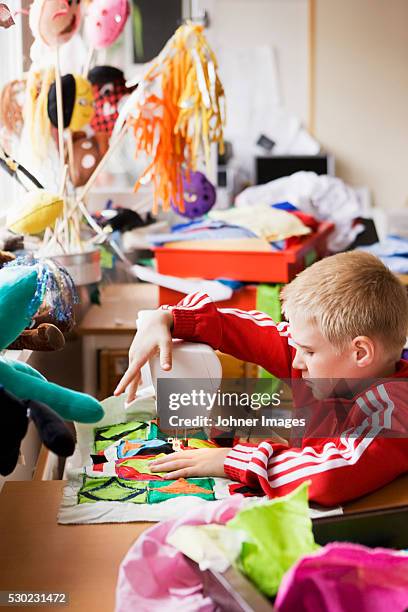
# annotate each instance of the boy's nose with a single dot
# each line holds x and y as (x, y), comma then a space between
(298, 362)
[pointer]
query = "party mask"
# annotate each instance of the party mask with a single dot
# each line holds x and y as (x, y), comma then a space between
(109, 89)
(55, 21)
(77, 97)
(105, 21)
(199, 195)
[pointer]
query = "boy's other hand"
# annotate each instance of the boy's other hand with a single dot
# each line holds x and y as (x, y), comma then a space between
(153, 336)
(192, 463)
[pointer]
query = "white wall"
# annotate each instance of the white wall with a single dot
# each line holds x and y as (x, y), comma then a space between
(361, 112)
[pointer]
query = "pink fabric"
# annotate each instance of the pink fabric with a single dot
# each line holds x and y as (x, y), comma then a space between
(344, 578)
(155, 576)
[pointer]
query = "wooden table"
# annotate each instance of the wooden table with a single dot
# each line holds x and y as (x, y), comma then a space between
(112, 325)
(37, 554)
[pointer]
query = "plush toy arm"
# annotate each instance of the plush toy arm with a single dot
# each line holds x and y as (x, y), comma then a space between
(70, 405)
(24, 368)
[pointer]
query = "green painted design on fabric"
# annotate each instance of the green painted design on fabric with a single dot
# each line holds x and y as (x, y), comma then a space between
(112, 489)
(142, 465)
(279, 533)
(156, 433)
(268, 301)
(157, 489)
(105, 436)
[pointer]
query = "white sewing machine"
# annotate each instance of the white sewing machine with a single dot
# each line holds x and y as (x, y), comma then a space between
(190, 360)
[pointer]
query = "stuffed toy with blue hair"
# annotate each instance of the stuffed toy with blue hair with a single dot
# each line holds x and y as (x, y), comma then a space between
(21, 295)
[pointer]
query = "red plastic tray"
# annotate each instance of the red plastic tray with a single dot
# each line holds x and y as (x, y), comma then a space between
(255, 266)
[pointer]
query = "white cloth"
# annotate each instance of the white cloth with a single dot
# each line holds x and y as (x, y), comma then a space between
(325, 197)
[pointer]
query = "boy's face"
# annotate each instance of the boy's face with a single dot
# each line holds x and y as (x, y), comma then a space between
(321, 363)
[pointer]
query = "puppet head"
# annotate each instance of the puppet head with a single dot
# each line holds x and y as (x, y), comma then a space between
(199, 195)
(54, 21)
(88, 151)
(105, 21)
(22, 290)
(77, 102)
(109, 89)
(38, 210)
(6, 19)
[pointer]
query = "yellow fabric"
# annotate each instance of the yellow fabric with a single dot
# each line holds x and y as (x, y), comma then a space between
(227, 244)
(83, 107)
(39, 210)
(35, 110)
(266, 222)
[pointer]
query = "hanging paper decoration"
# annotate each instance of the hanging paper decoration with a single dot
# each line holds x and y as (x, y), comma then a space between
(179, 111)
(105, 21)
(78, 101)
(54, 22)
(198, 195)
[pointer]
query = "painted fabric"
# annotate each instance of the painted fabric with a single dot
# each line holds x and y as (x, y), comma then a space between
(105, 436)
(111, 489)
(199, 487)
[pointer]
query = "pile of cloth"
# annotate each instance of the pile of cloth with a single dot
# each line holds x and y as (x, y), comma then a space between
(262, 227)
(275, 216)
(393, 252)
(272, 543)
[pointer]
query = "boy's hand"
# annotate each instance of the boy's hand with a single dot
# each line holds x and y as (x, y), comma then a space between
(153, 335)
(190, 463)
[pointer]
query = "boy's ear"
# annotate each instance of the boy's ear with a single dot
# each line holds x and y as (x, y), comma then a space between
(363, 351)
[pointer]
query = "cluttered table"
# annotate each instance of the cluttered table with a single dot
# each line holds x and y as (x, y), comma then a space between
(37, 554)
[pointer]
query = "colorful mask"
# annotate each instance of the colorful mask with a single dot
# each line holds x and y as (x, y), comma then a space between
(55, 21)
(199, 195)
(105, 21)
(77, 102)
(109, 89)
(6, 19)
(88, 152)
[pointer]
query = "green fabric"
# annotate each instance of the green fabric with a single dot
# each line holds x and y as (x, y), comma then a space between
(156, 434)
(111, 489)
(268, 301)
(70, 405)
(26, 369)
(133, 430)
(155, 497)
(18, 301)
(279, 533)
(142, 465)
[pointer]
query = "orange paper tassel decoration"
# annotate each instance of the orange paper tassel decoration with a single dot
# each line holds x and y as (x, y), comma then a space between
(179, 113)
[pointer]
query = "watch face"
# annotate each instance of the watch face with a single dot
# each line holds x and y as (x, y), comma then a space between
(105, 21)
(83, 110)
(58, 20)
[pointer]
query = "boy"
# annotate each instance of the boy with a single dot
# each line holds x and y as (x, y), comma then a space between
(348, 319)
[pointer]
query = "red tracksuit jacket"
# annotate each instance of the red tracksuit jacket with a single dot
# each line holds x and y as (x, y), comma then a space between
(362, 459)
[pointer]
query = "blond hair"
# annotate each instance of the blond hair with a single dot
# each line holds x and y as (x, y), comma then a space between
(348, 295)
